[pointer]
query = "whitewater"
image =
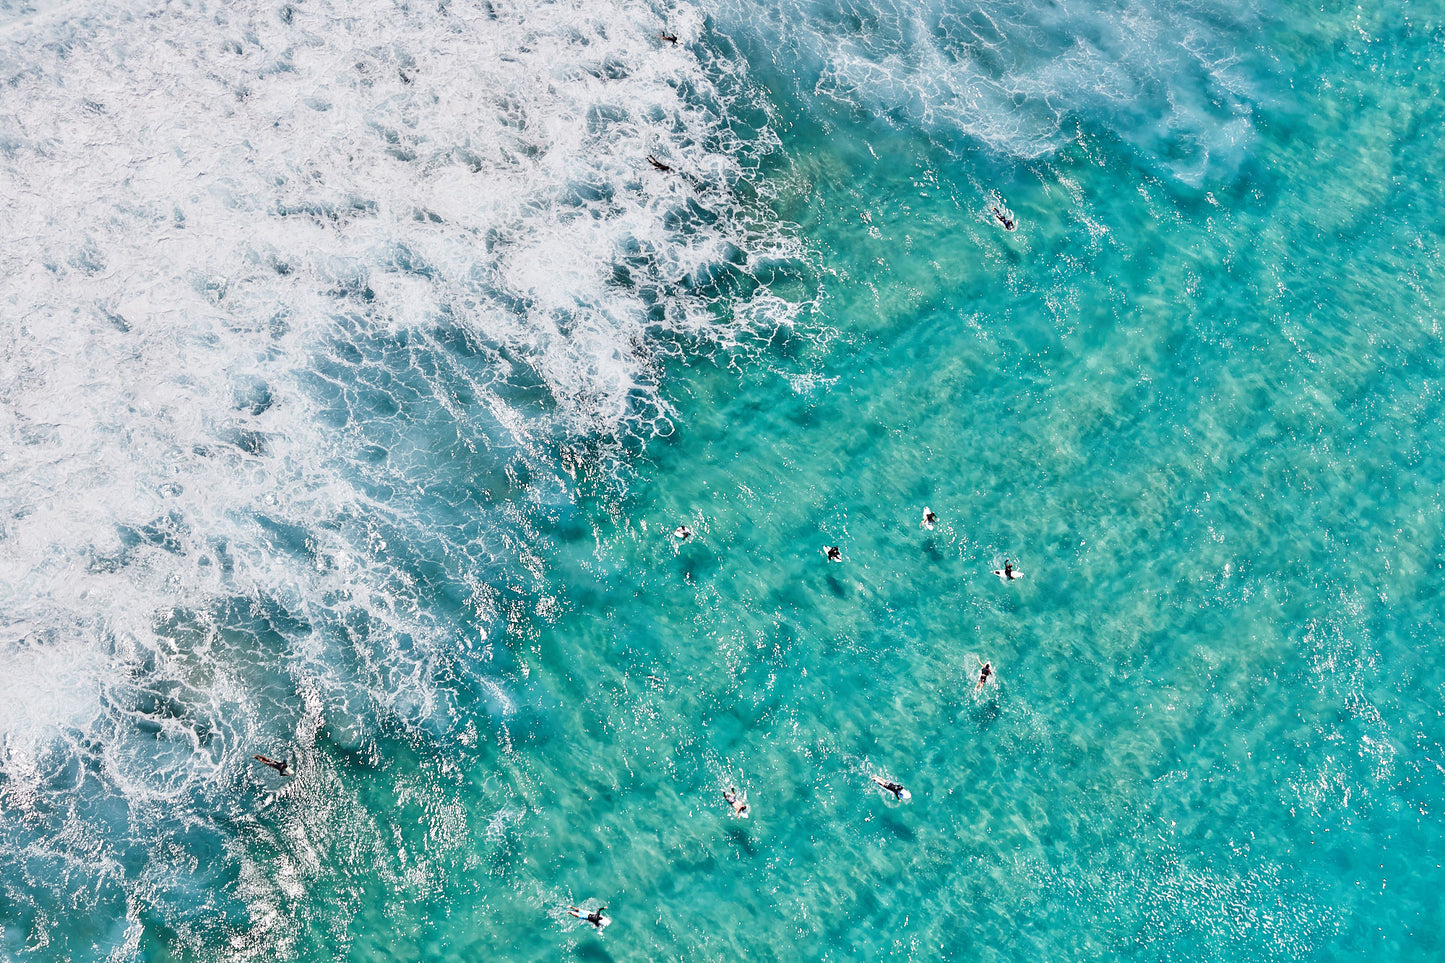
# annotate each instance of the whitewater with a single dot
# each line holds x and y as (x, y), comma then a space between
(270, 269)
(357, 362)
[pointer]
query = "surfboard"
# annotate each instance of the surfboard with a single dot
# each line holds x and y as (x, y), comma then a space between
(1000, 574)
(902, 794)
(582, 916)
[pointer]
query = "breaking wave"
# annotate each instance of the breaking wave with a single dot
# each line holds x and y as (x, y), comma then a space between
(310, 309)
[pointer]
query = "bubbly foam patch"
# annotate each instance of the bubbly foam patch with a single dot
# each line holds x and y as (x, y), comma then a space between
(298, 300)
(1020, 77)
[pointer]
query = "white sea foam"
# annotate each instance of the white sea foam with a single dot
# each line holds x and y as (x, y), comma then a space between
(1020, 77)
(262, 260)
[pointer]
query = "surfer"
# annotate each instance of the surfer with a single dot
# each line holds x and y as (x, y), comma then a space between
(983, 676)
(652, 159)
(929, 519)
(670, 37)
(682, 533)
(739, 803)
(834, 553)
(1008, 573)
(595, 917)
(1001, 215)
(896, 788)
(280, 765)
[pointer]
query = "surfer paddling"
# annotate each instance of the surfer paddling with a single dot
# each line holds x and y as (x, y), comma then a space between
(1008, 573)
(280, 765)
(682, 533)
(595, 917)
(929, 519)
(984, 675)
(834, 553)
(896, 788)
(738, 803)
(670, 37)
(659, 165)
(1004, 218)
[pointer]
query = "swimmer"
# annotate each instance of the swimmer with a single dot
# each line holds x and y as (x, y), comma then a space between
(281, 766)
(682, 533)
(1008, 573)
(1001, 215)
(983, 676)
(594, 917)
(834, 553)
(670, 37)
(896, 788)
(929, 519)
(739, 803)
(652, 159)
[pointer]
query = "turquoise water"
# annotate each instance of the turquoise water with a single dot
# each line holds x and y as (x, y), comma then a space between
(1201, 412)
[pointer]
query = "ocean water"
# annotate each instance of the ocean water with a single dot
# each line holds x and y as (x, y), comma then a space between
(358, 367)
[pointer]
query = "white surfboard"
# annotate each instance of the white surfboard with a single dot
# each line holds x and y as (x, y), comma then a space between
(1016, 574)
(582, 916)
(903, 794)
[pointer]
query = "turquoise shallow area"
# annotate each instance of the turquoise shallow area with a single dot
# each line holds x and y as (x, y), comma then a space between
(1206, 425)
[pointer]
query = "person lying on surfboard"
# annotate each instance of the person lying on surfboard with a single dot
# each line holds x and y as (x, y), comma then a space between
(739, 803)
(896, 788)
(280, 765)
(834, 553)
(1008, 573)
(983, 676)
(1002, 215)
(594, 917)
(929, 519)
